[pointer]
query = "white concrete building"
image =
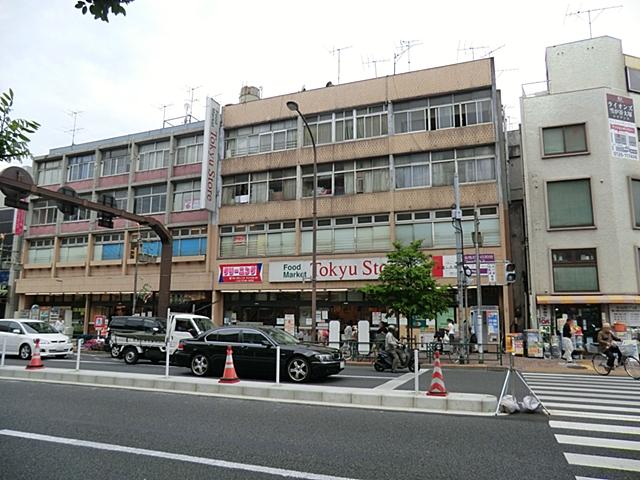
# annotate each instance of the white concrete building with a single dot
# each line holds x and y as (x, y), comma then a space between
(582, 186)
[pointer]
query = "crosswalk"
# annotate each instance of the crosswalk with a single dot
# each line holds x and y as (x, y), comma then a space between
(595, 420)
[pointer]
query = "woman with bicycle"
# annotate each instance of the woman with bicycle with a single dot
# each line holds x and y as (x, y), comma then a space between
(610, 349)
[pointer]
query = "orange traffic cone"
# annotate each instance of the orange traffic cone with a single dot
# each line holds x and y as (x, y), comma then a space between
(36, 361)
(437, 387)
(229, 375)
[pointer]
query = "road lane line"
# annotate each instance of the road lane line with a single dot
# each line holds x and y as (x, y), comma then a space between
(589, 478)
(595, 427)
(594, 415)
(172, 456)
(604, 408)
(599, 461)
(575, 375)
(363, 376)
(574, 391)
(589, 386)
(598, 442)
(399, 381)
(605, 401)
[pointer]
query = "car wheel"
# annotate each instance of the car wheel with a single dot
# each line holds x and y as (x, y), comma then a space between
(378, 367)
(200, 365)
(25, 352)
(61, 356)
(115, 351)
(131, 356)
(298, 370)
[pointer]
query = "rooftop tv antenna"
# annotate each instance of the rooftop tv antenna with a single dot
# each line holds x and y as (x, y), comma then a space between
(375, 62)
(72, 131)
(163, 107)
(188, 106)
(405, 47)
(579, 13)
(471, 49)
(488, 54)
(337, 51)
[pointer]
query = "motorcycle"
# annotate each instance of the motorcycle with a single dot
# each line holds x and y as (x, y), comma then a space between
(384, 360)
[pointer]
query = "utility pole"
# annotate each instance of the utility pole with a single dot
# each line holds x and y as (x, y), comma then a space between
(136, 251)
(477, 240)
(456, 219)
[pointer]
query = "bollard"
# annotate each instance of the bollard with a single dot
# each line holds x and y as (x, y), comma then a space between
(4, 350)
(278, 365)
(167, 360)
(416, 372)
(78, 354)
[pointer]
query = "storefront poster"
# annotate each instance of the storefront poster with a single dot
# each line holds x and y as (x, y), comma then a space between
(240, 273)
(327, 269)
(492, 322)
(290, 323)
(623, 132)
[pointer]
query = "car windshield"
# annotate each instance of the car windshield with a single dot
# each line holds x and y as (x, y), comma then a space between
(38, 327)
(203, 323)
(280, 336)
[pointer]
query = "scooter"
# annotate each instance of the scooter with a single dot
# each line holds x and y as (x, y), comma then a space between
(384, 361)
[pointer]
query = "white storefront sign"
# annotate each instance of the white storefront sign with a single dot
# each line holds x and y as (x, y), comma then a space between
(328, 270)
(209, 178)
(622, 127)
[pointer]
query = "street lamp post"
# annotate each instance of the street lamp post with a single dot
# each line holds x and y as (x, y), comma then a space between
(293, 106)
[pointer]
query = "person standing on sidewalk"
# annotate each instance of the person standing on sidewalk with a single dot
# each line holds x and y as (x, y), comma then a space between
(567, 342)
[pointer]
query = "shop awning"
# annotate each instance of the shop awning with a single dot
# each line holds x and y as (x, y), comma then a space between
(583, 299)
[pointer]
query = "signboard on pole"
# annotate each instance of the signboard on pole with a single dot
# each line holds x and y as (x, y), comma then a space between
(209, 176)
(623, 132)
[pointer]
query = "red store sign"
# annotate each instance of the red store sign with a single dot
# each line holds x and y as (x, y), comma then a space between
(240, 273)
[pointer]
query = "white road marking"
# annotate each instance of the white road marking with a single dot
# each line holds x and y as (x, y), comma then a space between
(599, 442)
(399, 381)
(590, 386)
(173, 456)
(594, 415)
(595, 427)
(598, 461)
(363, 376)
(576, 375)
(605, 401)
(589, 478)
(603, 408)
(584, 392)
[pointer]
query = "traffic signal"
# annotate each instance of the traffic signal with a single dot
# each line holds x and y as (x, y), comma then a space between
(67, 208)
(106, 219)
(509, 273)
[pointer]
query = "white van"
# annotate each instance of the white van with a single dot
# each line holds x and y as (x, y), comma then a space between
(20, 337)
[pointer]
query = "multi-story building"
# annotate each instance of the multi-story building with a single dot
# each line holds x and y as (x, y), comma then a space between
(579, 142)
(387, 151)
(75, 270)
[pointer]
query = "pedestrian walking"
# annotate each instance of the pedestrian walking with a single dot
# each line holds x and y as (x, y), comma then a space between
(451, 331)
(348, 332)
(567, 341)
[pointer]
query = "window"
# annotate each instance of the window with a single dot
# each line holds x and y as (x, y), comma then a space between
(371, 121)
(321, 126)
(190, 241)
(346, 178)
(263, 239)
(412, 170)
(189, 150)
(476, 164)
(41, 251)
(49, 173)
(635, 199)
(121, 197)
(282, 184)
(633, 79)
(412, 226)
(443, 168)
(569, 203)
(265, 137)
(259, 187)
(150, 199)
(152, 156)
(81, 167)
(348, 234)
(575, 270)
(563, 140)
(235, 189)
(81, 213)
(116, 162)
(44, 212)
(108, 246)
(372, 175)
(444, 235)
(149, 243)
(73, 249)
(186, 196)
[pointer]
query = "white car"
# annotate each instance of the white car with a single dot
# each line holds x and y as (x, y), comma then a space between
(20, 336)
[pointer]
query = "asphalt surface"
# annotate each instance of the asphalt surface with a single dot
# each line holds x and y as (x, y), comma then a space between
(310, 440)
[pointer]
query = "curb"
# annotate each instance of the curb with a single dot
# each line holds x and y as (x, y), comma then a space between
(402, 401)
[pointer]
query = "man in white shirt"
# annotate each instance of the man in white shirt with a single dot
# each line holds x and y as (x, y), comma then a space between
(393, 346)
(451, 331)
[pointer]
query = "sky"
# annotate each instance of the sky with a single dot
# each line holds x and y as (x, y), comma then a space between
(120, 74)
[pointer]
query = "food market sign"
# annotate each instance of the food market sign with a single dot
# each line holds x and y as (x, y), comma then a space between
(328, 270)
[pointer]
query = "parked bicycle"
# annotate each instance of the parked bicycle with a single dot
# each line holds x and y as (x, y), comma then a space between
(631, 365)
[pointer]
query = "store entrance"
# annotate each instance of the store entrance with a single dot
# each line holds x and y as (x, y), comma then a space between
(587, 317)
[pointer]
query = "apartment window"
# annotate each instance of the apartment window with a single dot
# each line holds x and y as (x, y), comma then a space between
(81, 213)
(564, 140)
(152, 156)
(189, 150)
(443, 168)
(186, 196)
(371, 121)
(635, 199)
(116, 162)
(108, 246)
(262, 239)
(344, 122)
(120, 197)
(40, 251)
(476, 164)
(346, 178)
(73, 249)
(321, 126)
(412, 226)
(265, 137)
(348, 234)
(412, 170)
(444, 235)
(148, 243)
(189, 242)
(80, 167)
(282, 184)
(575, 270)
(569, 203)
(44, 212)
(150, 199)
(633, 79)
(235, 189)
(49, 173)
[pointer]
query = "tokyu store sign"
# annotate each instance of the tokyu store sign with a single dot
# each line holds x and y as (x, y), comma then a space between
(328, 270)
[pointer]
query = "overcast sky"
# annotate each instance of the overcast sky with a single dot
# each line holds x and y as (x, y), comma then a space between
(118, 74)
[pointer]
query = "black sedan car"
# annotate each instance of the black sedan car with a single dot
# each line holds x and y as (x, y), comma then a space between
(254, 354)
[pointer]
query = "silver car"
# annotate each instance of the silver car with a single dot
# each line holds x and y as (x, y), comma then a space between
(19, 336)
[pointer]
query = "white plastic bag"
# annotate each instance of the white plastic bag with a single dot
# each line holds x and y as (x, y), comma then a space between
(508, 404)
(529, 404)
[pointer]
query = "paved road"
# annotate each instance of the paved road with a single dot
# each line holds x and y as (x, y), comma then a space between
(115, 434)
(353, 376)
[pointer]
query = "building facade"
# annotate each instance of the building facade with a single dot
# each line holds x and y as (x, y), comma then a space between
(387, 151)
(579, 142)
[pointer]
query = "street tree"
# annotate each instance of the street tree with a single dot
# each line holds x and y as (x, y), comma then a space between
(14, 142)
(100, 8)
(406, 285)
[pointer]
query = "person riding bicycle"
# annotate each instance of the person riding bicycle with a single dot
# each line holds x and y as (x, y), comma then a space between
(394, 347)
(606, 343)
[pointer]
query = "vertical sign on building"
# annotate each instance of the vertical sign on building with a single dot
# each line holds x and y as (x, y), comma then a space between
(622, 127)
(18, 221)
(210, 159)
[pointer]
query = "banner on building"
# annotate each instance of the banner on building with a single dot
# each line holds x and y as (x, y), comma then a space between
(209, 176)
(445, 266)
(328, 270)
(18, 221)
(623, 132)
(240, 273)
